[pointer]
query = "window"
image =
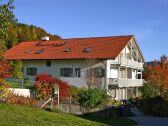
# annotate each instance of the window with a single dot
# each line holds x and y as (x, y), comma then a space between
(139, 74)
(122, 73)
(129, 73)
(66, 72)
(31, 71)
(114, 72)
(77, 72)
(48, 63)
(70, 72)
(99, 72)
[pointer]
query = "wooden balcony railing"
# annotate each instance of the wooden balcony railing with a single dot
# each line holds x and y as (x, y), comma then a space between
(125, 82)
(131, 63)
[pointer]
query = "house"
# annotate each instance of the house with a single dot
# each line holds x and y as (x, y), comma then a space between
(116, 61)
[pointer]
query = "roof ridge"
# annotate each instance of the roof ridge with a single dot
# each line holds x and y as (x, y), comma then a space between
(98, 37)
(79, 38)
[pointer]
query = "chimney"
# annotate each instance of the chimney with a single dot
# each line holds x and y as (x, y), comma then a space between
(45, 38)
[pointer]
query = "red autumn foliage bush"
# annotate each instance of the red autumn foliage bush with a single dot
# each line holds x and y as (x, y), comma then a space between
(44, 89)
(44, 84)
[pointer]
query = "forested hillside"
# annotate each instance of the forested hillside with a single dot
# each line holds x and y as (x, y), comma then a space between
(23, 32)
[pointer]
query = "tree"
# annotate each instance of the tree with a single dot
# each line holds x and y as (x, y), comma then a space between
(91, 98)
(19, 32)
(33, 32)
(7, 18)
(17, 69)
(12, 38)
(157, 74)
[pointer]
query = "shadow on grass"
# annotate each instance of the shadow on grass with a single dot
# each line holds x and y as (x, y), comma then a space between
(116, 121)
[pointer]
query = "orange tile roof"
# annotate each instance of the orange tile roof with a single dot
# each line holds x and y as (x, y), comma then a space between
(101, 48)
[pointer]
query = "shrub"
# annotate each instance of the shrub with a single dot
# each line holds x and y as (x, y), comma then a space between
(135, 101)
(26, 80)
(21, 100)
(150, 91)
(44, 86)
(91, 98)
(155, 106)
(74, 91)
(114, 103)
(3, 90)
(44, 77)
(43, 89)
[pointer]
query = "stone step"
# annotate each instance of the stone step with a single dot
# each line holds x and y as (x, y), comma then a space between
(137, 112)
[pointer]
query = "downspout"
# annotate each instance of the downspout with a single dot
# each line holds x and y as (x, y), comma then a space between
(106, 76)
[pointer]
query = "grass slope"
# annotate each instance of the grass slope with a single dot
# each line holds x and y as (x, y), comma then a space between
(15, 115)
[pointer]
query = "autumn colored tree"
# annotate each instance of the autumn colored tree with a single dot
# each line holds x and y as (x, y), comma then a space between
(7, 18)
(12, 38)
(17, 69)
(157, 74)
(22, 32)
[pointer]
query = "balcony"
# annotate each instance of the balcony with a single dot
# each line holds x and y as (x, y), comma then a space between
(131, 63)
(123, 82)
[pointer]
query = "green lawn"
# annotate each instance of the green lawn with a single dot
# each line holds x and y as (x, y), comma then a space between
(15, 115)
(19, 85)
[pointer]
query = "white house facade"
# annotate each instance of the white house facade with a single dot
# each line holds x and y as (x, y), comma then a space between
(117, 63)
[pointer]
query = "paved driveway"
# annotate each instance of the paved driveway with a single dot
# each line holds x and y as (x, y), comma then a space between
(150, 121)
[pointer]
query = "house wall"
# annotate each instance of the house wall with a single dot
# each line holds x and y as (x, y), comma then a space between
(56, 65)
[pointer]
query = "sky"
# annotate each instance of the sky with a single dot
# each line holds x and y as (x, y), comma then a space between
(146, 19)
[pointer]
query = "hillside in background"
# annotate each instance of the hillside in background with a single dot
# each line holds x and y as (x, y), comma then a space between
(23, 32)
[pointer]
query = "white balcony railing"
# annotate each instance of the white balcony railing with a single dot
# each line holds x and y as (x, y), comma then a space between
(131, 63)
(123, 82)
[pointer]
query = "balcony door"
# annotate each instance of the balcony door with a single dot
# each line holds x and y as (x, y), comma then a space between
(113, 72)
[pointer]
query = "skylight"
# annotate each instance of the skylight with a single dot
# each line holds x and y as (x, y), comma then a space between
(67, 50)
(39, 51)
(87, 50)
(28, 51)
(38, 44)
